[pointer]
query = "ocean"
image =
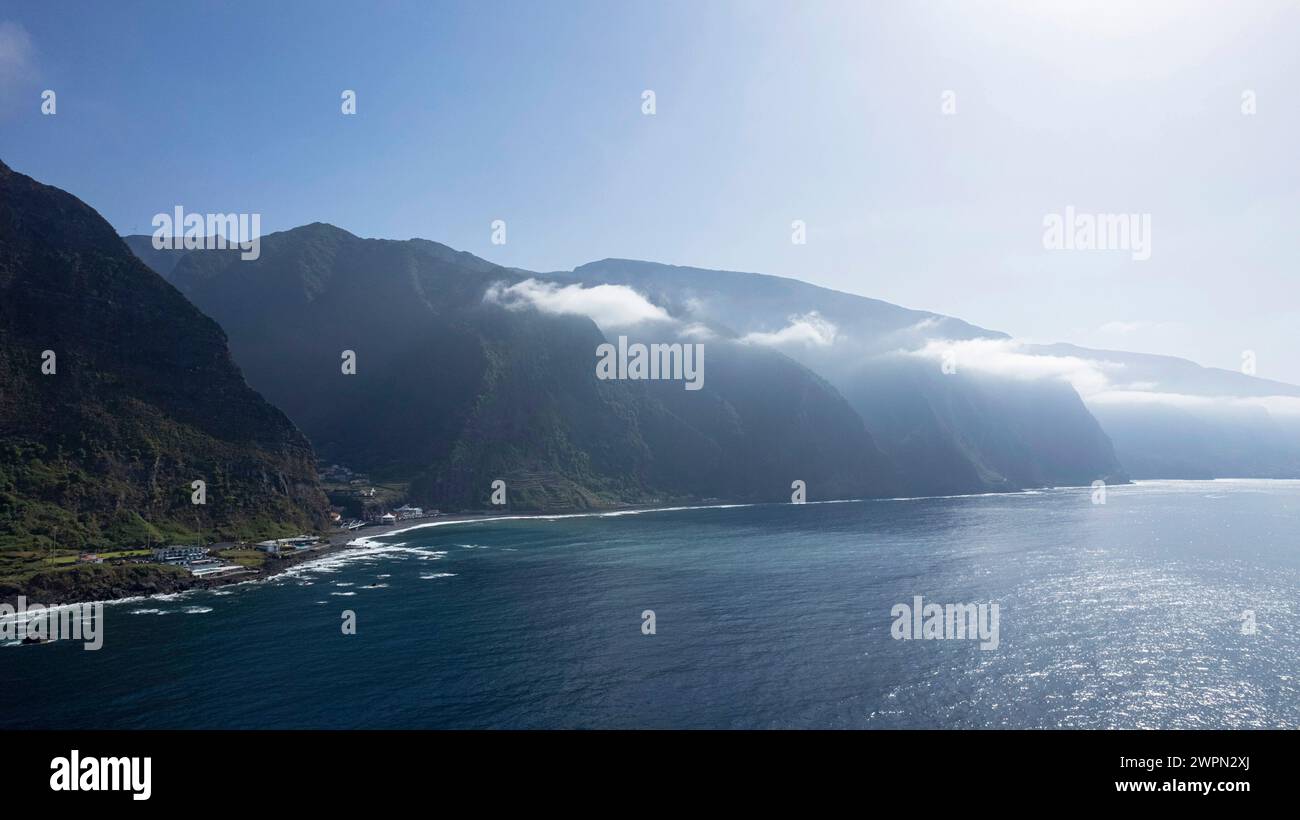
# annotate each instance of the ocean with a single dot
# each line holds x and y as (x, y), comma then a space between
(1128, 614)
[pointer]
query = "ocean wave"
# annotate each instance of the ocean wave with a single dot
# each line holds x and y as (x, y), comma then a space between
(363, 551)
(647, 511)
(557, 517)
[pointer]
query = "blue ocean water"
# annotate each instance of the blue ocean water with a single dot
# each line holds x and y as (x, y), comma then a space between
(1127, 614)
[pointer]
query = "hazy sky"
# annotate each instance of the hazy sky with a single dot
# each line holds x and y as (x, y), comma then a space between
(766, 113)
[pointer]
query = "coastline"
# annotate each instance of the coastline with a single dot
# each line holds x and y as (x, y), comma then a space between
(155, 579)
(90, 584)
(152, 580)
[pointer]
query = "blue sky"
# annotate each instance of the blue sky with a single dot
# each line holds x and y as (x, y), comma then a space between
(767, 112)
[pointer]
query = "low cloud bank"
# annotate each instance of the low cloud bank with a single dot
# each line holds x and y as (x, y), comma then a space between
(609, 306)
(1006, 357)
(807, 329)
(1098, 381)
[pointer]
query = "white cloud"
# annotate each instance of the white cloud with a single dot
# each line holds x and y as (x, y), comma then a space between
(1006, 357)
(695, 306)
(695, 330)
(808, 329)
(1099, 382)
(1184, 400)
(609, 306)
(1274, 405)
(928, 323)
(1277, 405)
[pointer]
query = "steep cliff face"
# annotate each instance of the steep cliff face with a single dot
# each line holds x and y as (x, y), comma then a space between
(960, 432)
(102, 439)
(1172, 418)
(452, 392)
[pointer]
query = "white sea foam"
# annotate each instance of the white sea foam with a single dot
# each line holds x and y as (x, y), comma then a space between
(557, 517)
(431, 576)
(605, 514)
(960, 495)
(27, 616)
(363, 551)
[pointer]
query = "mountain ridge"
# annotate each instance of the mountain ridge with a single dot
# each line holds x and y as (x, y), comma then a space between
(925, 419)
(140, 398)
(452, 391)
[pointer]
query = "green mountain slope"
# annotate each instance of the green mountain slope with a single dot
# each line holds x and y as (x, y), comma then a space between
(451, 393)
(144, 399)
(948, 433)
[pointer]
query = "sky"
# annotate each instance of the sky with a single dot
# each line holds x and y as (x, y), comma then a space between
(922, 145)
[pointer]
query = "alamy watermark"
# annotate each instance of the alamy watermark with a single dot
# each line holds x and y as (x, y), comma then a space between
(179, 230)
(1075, 231)
(682, 362)
(37, 623)
(922, 621)
(102, 774)
(1249, 365)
